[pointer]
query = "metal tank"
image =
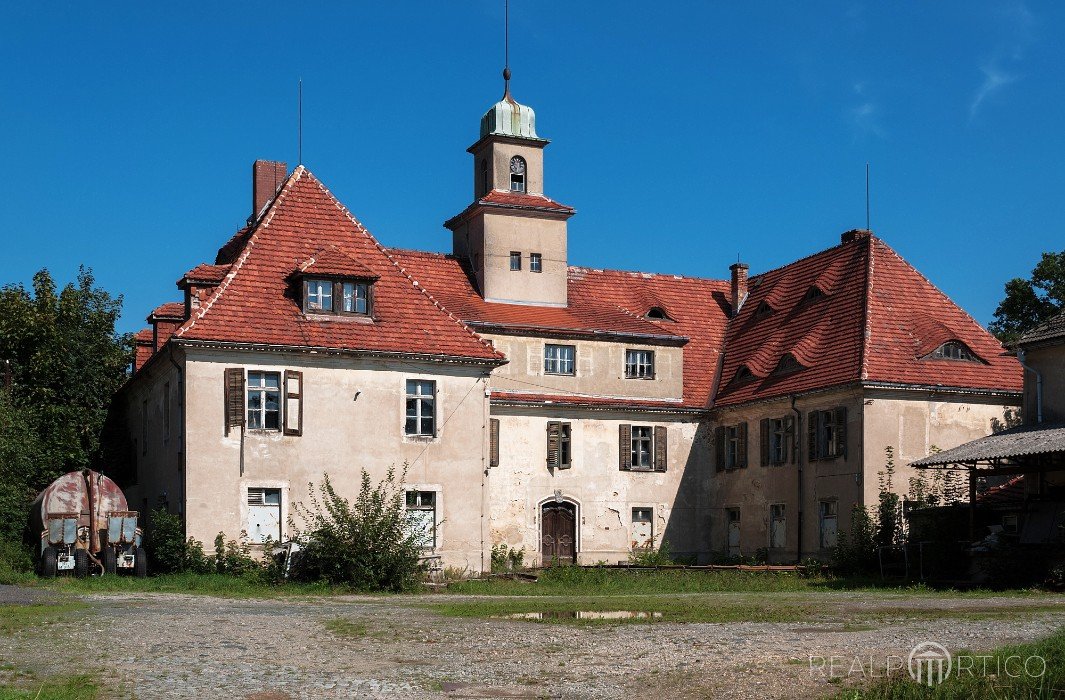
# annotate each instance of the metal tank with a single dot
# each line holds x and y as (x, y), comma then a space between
(84, 524)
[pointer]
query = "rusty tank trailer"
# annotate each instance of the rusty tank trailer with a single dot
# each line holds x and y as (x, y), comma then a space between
(85, 525)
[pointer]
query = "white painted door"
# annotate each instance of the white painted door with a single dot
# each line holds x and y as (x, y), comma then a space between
(734, 533)
(642, 528)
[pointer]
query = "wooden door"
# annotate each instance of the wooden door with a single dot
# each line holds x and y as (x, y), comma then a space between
(558, 538)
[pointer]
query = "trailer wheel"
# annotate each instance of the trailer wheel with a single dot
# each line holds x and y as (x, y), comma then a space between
(140, 563)
(81, 563)
(49, 562)
(110, 560)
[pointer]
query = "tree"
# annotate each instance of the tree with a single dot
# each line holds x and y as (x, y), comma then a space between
(1030, 302)
(65, 363)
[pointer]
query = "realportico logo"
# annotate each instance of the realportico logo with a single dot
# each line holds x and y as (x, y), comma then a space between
(929, 664)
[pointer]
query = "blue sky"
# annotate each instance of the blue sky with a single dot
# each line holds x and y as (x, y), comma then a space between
(685, 133)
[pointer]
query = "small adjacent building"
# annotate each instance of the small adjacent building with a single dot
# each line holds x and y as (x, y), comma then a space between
(576, 413)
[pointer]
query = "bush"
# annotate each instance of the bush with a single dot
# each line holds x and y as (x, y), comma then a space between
(165, 542)
(365, 543)
(855, 552)
(505, 558)
(649, 556)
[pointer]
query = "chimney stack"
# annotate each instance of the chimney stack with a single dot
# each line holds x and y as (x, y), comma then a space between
(266, 177)
(854, 234)
(739, 285)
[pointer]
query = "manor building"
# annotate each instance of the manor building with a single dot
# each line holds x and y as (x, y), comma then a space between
(577, 413)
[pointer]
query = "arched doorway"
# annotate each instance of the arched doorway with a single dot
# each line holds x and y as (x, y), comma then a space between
(558, 532)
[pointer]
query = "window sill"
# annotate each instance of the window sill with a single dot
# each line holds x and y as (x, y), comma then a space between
(325, 316)
(646, 379)
(559, 374)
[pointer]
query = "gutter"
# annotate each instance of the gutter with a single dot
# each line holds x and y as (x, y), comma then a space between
(314, 350)
(1038, 386)
(514, 329)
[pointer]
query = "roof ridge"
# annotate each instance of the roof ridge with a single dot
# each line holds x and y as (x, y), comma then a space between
(804, 258)
(417, 285)
(264, 222)
(664, 275)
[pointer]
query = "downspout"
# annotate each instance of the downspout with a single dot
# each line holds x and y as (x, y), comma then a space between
(1038, 386)
(181, 434)
(797, 446)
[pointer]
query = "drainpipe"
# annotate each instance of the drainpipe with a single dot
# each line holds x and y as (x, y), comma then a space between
(180, 436)
(1038, 387)
(797, 446)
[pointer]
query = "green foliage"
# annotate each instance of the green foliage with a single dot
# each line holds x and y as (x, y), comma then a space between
(506, 558)
(649, 556)
(1029, 302)
(165, 542)
(889, 526)
(855, 551)
(64, 362)
(365, 543)
(78, 687)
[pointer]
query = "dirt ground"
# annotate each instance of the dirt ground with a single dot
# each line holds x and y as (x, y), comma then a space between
(154, 645)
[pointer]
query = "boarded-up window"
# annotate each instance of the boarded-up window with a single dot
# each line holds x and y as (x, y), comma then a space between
(421, 517)
(777, 526)
(829, 517)
(493, 442)
(264, 515)
(234, 398)
(642, 528)
(293, 402)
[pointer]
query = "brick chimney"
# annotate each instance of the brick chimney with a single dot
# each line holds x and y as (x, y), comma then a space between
(739, 285)
(266, 177)
(854, 234)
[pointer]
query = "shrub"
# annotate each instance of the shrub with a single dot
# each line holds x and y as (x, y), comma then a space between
(365, 543)
(649, 556)
(855, 552)
(505, 558)
(165, 542)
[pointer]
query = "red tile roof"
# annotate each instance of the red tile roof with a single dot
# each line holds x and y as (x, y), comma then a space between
(334, 261)
(514, 200)
(210, 274)
(169, 310)
(601, 303)
(255, 304)
(877, 320)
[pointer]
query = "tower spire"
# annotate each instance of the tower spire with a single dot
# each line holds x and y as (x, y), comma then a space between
(506, 49)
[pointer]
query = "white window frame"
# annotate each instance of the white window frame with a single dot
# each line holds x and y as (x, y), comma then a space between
(536, 262)
(823, 516)
(421, 399)
(639, 364)
(263, 391)
(320, 289)
(641, 435)
(355, 294)
(778, 441)
(555, 361)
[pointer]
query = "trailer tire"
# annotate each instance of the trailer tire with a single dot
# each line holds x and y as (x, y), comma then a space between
(110, 560)
(140, 563)
(49, 562)
(81, 563)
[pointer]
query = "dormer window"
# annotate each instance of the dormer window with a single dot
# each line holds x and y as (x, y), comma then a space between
(743, 374)
(787, 364)
(814, 292)
(657, 313)
(337, 296)
(517, 174)
(954, 350)
(763, 310)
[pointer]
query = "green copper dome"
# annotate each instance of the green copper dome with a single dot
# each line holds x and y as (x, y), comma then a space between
(508, 118)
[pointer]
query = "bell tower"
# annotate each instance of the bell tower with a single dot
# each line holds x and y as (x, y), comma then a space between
(512, 236)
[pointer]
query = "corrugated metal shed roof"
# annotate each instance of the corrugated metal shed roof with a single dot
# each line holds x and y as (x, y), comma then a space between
(1016, 442)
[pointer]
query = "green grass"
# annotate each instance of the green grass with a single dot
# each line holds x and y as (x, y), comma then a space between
(220, 585)
(578, 581)
(977, 685)
(14, 618)
(73, 688)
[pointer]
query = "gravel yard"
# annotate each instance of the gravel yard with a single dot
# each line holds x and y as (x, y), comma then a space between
(158, 645)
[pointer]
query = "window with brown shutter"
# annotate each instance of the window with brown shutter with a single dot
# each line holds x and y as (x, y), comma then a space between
(293, 416)
(841, 431)
(763, 447)
(741, 445)
(719, 448)
(625, 447)
(811, 437)
(493, 442)
(554, 436)
(234, 398)
(660, 448)
(827, 433)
